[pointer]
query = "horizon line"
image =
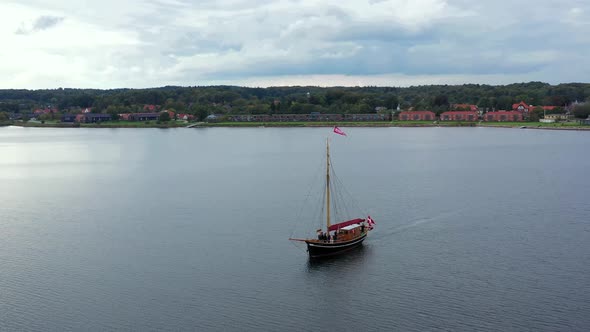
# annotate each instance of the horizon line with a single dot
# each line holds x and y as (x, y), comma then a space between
(289, 86)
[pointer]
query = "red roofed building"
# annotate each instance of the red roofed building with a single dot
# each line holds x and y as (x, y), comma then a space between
(185, 116)
(170, 113)
(503, 116)
(465, 107)
(125, 116)
(417, 116)
(548, 108)
(522, 107)
(459, 116)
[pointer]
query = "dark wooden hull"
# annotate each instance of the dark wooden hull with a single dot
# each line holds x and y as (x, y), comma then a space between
(317, 249)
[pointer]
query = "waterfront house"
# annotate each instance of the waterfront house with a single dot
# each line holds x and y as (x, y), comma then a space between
(417, 116)
(522, 107)
(314, 116)
(144, 116)
(242, 118)
(503, 116)
(459, 116)
(251, 118)
(333, 117)
(558, 117)
(289, 117)
(68, 118)
(186, 117)
(212, 118)
(359, 117)
(587, 121)
(92, 117)
(276, 117)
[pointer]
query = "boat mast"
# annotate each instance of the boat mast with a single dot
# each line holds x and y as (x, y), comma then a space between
(327, 186)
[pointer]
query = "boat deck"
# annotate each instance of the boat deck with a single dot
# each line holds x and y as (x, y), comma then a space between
(341, 238)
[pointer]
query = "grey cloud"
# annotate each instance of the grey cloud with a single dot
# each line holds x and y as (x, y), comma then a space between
(494, 40)
(46, 22)
(41, 23)
(383, 32)
(386, 58)
(192, 42)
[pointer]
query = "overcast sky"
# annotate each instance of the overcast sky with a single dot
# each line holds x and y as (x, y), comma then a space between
(150, 43)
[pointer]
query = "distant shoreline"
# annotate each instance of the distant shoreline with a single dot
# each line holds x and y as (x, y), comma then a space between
(399, 124)
(97, 125)
(416, 124)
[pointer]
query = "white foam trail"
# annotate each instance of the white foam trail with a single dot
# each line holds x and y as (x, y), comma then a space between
(415, 223)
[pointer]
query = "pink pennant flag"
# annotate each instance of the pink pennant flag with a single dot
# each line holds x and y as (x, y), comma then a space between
(339, 131)
(370, 222)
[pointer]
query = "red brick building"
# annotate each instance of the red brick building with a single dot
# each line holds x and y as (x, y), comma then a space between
(417, 116)
(459, 116)
(503, 116)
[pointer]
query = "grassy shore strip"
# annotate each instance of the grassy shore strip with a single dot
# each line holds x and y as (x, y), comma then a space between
(178, 124)
(536, 125)
(532, 125)
(300, 124)
(342, 124)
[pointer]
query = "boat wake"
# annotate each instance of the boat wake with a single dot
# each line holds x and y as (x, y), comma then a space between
(413, 224)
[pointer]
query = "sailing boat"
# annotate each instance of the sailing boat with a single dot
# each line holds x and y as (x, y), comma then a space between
(340, 237)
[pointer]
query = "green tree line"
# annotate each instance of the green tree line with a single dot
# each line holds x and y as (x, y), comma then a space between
(204, 100)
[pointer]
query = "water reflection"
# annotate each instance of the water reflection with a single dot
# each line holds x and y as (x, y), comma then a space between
(347, 261)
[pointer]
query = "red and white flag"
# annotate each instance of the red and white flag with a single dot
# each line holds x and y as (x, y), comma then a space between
(370, 222)
(339, 131)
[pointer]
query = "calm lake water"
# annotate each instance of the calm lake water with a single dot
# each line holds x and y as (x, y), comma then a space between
(186, 229)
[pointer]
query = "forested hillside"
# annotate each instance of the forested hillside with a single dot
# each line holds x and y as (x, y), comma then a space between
(295, 100)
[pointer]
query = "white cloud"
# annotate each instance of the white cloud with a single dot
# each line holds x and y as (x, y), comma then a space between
(142, 43)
